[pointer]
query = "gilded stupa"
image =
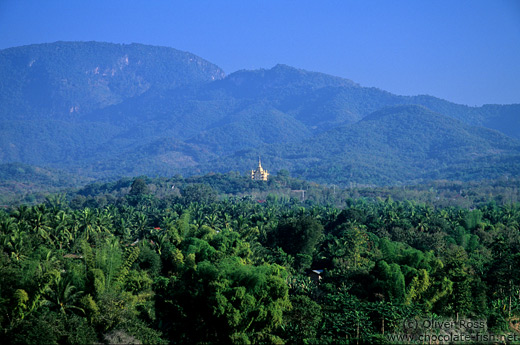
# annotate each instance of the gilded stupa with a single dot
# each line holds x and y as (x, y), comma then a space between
(259, 174)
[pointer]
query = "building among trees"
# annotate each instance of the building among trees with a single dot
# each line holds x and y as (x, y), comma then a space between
(259, 173)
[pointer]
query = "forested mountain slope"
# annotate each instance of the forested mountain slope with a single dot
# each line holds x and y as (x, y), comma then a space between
(402, 144)
(48, 93)
(68, 79)
(105, 110)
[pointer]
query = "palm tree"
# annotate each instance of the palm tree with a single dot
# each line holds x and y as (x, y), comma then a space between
(7, 225)
(22, 214)
(86, 220)
(142, 226)
(49, 265)
(160, 237)
(62, 296)
(56, 202)
(60, 229)
(104, 220)
(227, 220)
(510, 215)
(241, 224)
(15, 242)
(213, 221)
(39, 222)
(123, 228)
(331, 214)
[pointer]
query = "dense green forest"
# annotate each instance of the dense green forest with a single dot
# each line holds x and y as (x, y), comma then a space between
(23, 184)
(401, 218)
(202, 260)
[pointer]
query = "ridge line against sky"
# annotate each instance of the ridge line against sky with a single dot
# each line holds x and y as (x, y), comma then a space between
(464, 51)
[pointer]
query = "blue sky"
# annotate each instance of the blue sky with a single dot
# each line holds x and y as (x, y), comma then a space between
(464, 51)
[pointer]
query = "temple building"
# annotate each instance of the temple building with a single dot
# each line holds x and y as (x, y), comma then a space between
(259, 174)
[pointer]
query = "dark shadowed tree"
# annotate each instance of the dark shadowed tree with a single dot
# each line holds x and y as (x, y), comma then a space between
(299, 237)
(139, 187)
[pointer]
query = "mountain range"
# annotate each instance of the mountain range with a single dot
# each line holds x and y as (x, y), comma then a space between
(103, 110)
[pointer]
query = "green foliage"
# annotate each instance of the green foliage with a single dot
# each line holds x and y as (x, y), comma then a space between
(54, 328)
(238, 302)
(96, 282)
(392, 281)
(473, 219)
(139, 187)
(302, 320)
(124, 270)
(297, 235)
(198, 193)
(235, 270)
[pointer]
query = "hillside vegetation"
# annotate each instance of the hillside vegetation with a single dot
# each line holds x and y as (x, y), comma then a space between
(396, 145)
(103, 111)
(134, 262)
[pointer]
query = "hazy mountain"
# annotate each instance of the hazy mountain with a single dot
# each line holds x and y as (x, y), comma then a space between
(402, 144)
(106, 110)
(25, 183)
(68, 79)
(48, 93)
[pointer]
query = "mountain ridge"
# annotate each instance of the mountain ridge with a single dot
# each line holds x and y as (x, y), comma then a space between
(82, 76)
(391, 146)
(118, 103)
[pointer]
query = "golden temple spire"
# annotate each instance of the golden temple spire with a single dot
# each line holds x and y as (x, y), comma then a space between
(259, 173)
